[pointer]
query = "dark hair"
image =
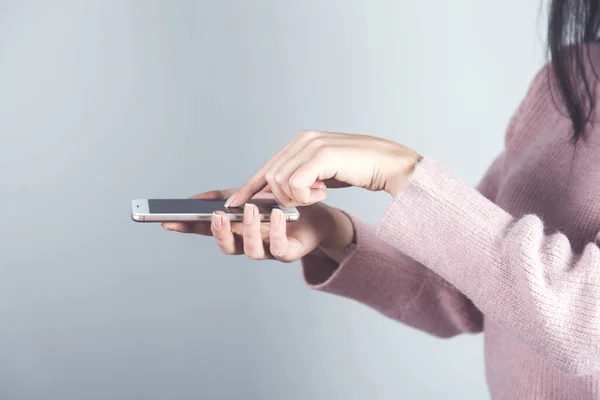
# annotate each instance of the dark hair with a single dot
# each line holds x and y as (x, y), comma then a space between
(571, 24)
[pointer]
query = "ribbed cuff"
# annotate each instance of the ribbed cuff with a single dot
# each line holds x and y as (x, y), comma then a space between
(371, 268)
(449, 227)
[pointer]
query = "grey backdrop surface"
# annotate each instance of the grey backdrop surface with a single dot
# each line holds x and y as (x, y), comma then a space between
(104, 101)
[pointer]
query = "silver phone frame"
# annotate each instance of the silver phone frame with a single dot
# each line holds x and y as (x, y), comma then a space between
(140, 212)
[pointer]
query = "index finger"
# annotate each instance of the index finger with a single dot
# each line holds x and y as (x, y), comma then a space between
(214, 194)
(258, 181)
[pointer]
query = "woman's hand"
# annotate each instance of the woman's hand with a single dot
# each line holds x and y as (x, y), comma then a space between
(319, 226)
(297, 174)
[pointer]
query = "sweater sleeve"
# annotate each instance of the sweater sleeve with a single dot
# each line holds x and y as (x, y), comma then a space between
(374, 273)
(530, 283)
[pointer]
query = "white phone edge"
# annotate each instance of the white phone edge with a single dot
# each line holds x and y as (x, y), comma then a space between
(140, 212)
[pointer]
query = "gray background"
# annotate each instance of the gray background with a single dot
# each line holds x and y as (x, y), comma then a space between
(104, 101)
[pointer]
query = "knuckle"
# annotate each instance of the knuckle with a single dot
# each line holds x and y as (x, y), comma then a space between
(251, 231)
(227, 251)
(222, 242)
(225, 246)
(278, 254)
(237, 229)
(321, 142)
(301, 195)
(284, 258)
(270, 177)
(277, 236)
(317, 143)
(311, 135)
(253, 255)
(252, 239)
(279, 178)
(286, 202)
(301, 134)
(324, 152)
(249, 247)
(295, 182)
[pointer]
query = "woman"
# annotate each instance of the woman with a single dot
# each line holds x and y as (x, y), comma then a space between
(517, 258)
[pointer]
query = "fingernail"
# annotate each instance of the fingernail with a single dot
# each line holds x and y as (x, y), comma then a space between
(229, 201)
(167, 227)
(217, 221)
(276, 217)
(250, 212)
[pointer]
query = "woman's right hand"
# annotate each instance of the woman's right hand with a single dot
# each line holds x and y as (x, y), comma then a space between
(318, 226)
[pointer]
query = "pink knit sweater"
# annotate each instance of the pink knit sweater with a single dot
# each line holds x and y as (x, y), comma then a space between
(516, 259)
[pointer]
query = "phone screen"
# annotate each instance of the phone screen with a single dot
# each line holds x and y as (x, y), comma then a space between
(196, 206)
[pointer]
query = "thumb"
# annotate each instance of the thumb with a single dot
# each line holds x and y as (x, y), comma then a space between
(290, 243)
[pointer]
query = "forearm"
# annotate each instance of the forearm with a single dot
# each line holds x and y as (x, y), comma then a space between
(340, 235)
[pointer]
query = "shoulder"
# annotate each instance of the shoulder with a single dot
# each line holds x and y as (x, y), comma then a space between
(541, 116)
(542, 101)
(543, 81)
(539, 101)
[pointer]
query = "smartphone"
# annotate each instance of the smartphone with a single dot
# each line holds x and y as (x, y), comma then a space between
(196, 210)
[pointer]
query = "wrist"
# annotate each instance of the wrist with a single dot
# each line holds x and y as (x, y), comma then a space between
(338, 236)
(400, 175)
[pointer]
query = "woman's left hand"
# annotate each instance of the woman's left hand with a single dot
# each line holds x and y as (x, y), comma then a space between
(298, 174)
